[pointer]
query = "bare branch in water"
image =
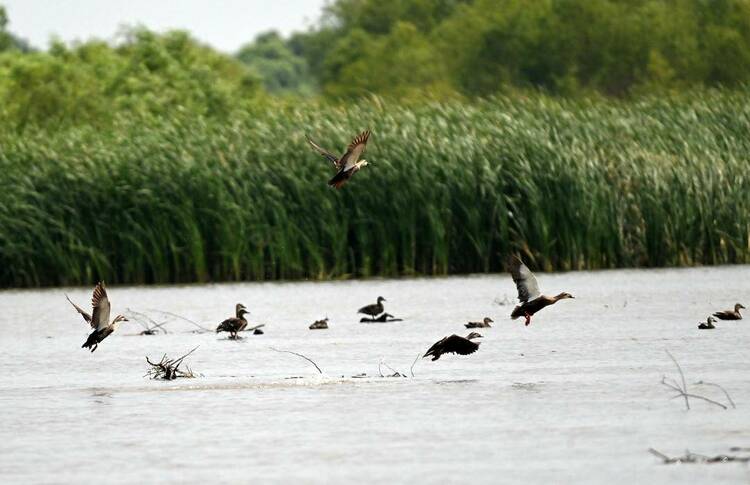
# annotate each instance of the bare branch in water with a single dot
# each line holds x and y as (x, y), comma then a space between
(682, 376)
(298, 355)
(729, 398)
(411, 369)
(682, 391)
(689, 457)
(137, 316)
(183, 318)
(169, 369)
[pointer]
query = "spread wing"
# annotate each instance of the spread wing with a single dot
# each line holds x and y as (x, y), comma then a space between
(354, 150)
(330, 156)
(83, 313)
(528, 288)
(459, 345)
(100, 302)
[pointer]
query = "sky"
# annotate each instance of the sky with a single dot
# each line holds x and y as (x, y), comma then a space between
(223, 24)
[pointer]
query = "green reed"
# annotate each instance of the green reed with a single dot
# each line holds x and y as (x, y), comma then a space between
(453, 188)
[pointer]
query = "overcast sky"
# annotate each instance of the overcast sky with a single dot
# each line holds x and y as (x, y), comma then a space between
(224, 24)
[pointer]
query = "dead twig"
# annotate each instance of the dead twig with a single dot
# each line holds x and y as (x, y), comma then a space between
(298, 355)
(729, 398)
(682, 390)
(182, 318)
(169, 369)
(689, 457)
(411, 369)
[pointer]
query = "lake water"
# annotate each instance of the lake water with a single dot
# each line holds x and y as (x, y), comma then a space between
(575, 397)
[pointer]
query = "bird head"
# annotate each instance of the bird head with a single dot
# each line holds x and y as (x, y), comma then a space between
(474, 335)
(380, 298)
(738, 306)
(710, 319)
(488, 320)
(563, 296)
(118, 319)
(242, 312)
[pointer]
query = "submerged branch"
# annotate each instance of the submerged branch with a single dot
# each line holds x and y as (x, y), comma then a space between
(298, 355)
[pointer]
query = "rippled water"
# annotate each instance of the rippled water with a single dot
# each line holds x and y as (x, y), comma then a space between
(576, 396)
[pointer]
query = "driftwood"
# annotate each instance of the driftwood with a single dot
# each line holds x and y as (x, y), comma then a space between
(689, 457)
(169, 369)
(298, 355)
(682, 391)
(150, 327)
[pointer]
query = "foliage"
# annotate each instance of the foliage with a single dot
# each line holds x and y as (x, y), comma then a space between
(453, 187)
(277, 65)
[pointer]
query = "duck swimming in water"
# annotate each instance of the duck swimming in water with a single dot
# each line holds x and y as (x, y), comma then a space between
(374, 309)
(708, 324)
(236, 323)
(320, 324)
(349, 163)
(385, 317)
(455, 344)
(483, 324)
(729, 314)
(529, 295)
(99, 318)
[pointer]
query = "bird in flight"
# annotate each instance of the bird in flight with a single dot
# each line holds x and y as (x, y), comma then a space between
(99, 318)
(529, 295)
(349, 163)
(455, 344)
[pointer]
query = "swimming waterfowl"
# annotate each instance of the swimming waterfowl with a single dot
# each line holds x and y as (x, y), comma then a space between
(349, 163)
(320, 324)
(729, 314)
(483, 324)
(374, 309)
(385, 317)
(455, 344)
(99, 317)
(236, 323)
(528, 291)
(708, 324)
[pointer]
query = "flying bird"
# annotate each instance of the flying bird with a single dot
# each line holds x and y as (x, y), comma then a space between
(455, 344)
(99, 318)
(528, 291)
(349, 163)
(234, 324)
(373, 309)
(729, 314)
(483, 324)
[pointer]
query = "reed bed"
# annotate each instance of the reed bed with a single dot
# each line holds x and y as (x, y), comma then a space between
(453, 187)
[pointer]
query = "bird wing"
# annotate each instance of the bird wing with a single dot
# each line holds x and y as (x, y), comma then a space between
(231, 324)
(459, 345)
(80, 310)
(435, 347)
(354, 150)
(528, 288)
(330, 156)
(100, 302)
(368, 309)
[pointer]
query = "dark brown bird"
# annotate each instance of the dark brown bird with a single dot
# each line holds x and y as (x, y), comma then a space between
(729, 314)
(483, 324)
(385, 317)
(349, 163)
(455, 344)
(320, 324)
(235, 324)
(708, 324)
(528, 291)
(374, 309)
(99, 318)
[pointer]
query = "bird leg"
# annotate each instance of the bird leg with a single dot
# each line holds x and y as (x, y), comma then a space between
(528, 319)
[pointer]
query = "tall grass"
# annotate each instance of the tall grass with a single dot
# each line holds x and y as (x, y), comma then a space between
(453, 187)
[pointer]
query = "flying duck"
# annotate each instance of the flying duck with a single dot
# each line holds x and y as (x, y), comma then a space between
(374, 309)
(483, 324)
(708, 324)
(349, 163)
(455, 344)
(320, 324)
(385, 317)
(729, 314)
(99, 317)
(528, 291)
(236, 323)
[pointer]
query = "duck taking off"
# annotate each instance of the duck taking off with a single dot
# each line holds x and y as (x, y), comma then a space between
(99, 318)
(483, 324)
(236, 323)
(374, 309)
(729, 314)
(349, 163)
(455, 344)
(529, 295)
